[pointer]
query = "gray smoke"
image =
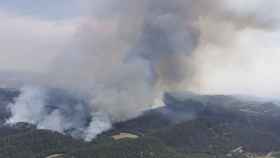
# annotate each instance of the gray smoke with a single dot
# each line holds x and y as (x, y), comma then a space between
(128, 53)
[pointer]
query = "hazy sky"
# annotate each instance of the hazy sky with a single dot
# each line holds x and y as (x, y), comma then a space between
(37, 29)
(47, 9)
(34, 32)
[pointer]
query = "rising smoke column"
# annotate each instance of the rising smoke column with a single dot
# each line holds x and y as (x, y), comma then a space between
(129, 52)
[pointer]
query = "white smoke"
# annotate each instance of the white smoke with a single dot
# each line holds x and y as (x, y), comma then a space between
(99, 123)
(34, 106)
(29, 106)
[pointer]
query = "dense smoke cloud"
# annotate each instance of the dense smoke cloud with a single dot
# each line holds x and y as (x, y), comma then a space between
(127, 53)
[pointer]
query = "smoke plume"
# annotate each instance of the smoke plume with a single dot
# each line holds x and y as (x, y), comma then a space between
(57, 110)
(127, 53)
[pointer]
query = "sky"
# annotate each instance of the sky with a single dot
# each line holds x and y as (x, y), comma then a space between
(35, 28)
(46, 9)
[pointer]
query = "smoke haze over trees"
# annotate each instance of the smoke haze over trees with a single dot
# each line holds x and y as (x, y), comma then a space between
(123, 55)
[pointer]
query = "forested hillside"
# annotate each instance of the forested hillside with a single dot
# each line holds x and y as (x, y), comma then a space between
(187, 127)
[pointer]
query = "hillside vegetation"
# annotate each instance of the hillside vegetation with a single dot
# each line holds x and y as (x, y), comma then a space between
(189, 126)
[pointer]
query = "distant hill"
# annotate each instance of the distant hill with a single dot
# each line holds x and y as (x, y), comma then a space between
(189, 126)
